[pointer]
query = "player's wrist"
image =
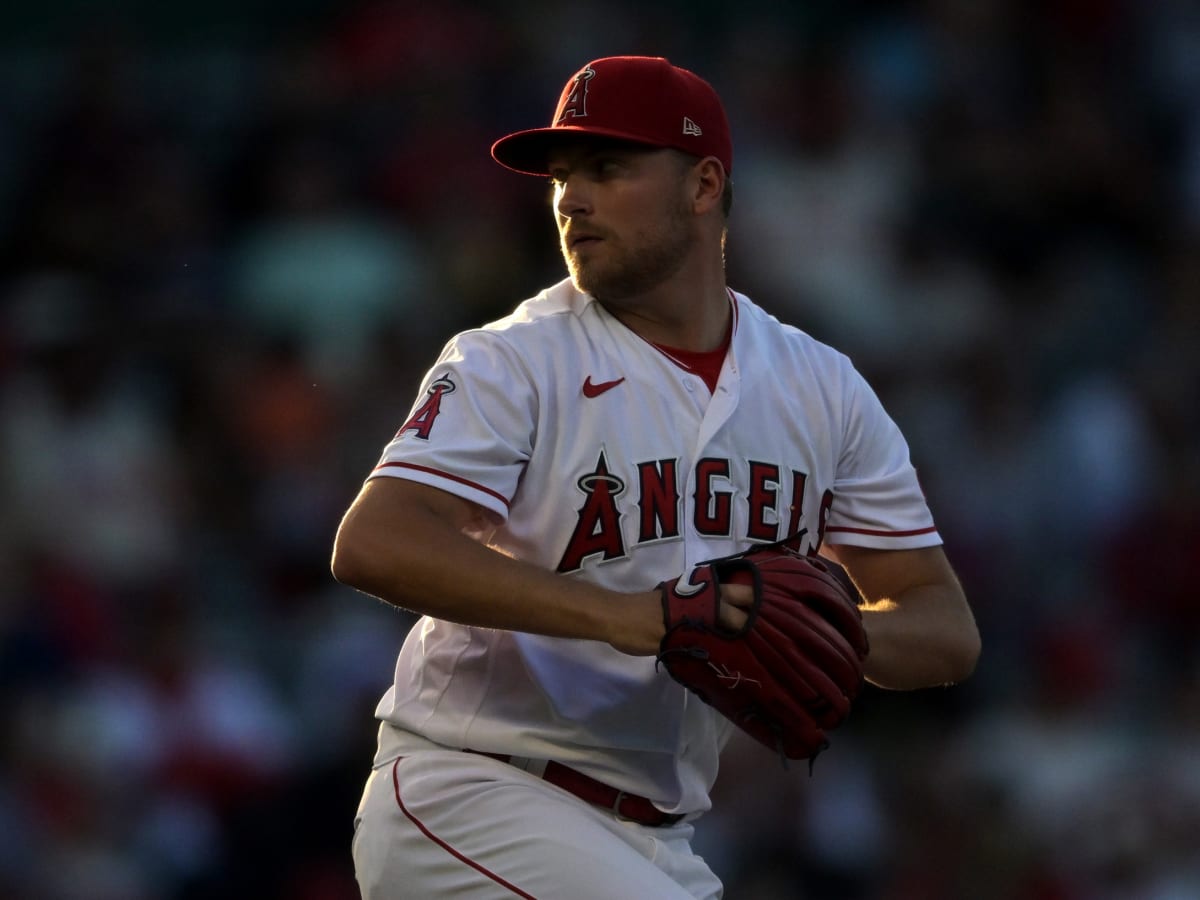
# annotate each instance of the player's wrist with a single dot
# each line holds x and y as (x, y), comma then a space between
(637, 628)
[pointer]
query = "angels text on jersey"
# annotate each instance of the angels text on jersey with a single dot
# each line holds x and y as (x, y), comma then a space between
(773, 506)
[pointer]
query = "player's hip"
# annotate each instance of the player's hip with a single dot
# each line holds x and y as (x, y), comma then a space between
(448, 823)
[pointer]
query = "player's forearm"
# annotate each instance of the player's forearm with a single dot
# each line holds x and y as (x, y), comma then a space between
(459, 580)
(925, 639)
(425, 564)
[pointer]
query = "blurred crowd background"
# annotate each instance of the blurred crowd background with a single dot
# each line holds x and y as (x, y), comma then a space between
(233, 236)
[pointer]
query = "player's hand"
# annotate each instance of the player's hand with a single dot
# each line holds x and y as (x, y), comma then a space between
(736, 599)
(642, 626)
(639, 626)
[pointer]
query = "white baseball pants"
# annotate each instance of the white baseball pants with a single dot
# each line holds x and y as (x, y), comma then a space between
(446, 824)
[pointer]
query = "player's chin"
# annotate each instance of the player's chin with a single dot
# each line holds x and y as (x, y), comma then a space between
(581, 257)
(585, 278)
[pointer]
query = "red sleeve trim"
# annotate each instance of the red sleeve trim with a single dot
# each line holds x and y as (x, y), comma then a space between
(842, 529)
(440, 474)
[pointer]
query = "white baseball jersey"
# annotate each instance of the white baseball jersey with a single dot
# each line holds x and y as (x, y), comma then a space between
(596, 455)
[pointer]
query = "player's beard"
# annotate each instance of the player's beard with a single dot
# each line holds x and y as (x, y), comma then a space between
(635, 266)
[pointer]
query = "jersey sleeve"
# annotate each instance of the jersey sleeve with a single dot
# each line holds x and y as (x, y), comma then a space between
(470, 430)
(877, 499)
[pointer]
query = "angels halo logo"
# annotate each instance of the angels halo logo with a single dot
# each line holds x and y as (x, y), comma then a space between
(575, 105)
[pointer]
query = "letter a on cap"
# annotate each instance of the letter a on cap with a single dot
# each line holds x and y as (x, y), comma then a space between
(576, 103)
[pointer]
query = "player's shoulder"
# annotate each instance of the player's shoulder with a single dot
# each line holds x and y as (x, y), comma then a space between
(534, 323)
(551, 307)
(758, 327)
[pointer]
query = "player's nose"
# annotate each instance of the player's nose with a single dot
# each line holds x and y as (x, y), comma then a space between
(572, 198)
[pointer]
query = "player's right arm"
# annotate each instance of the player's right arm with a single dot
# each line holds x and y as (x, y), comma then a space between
(409, 545)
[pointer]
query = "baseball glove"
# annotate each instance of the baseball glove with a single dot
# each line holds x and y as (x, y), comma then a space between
(790, 674)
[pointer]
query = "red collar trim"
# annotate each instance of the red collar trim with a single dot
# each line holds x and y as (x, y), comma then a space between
(705, 363)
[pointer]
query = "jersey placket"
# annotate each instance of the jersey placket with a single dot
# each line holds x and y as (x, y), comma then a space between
(721, 406)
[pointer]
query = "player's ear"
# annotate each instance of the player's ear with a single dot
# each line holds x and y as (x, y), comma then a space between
(707, 184)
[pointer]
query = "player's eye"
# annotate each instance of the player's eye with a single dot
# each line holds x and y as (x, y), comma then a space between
(607, 167)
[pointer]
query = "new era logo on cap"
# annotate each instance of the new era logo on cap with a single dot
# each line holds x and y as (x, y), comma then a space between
(642, 99)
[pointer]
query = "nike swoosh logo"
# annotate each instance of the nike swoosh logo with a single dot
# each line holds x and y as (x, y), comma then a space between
(595, 390)
(689, 589)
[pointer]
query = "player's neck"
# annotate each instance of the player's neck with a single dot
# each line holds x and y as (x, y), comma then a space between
(688, 313)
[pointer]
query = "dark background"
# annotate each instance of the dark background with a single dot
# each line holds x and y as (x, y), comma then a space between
(233, 235)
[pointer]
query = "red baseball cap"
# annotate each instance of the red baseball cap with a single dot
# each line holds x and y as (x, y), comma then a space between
(641, 99)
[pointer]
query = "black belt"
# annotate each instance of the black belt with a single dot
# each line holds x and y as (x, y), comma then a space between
(597, 793)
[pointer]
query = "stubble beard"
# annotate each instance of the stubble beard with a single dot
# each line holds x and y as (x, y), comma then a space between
(631, 270)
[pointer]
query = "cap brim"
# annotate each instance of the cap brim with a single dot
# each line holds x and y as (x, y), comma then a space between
(528, 152)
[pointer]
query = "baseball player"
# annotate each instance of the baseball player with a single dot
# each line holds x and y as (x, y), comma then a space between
(563, 464)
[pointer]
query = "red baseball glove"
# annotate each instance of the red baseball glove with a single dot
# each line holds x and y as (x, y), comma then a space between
(793, 670)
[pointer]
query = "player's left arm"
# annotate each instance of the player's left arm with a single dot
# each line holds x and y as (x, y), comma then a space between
(917, 618)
